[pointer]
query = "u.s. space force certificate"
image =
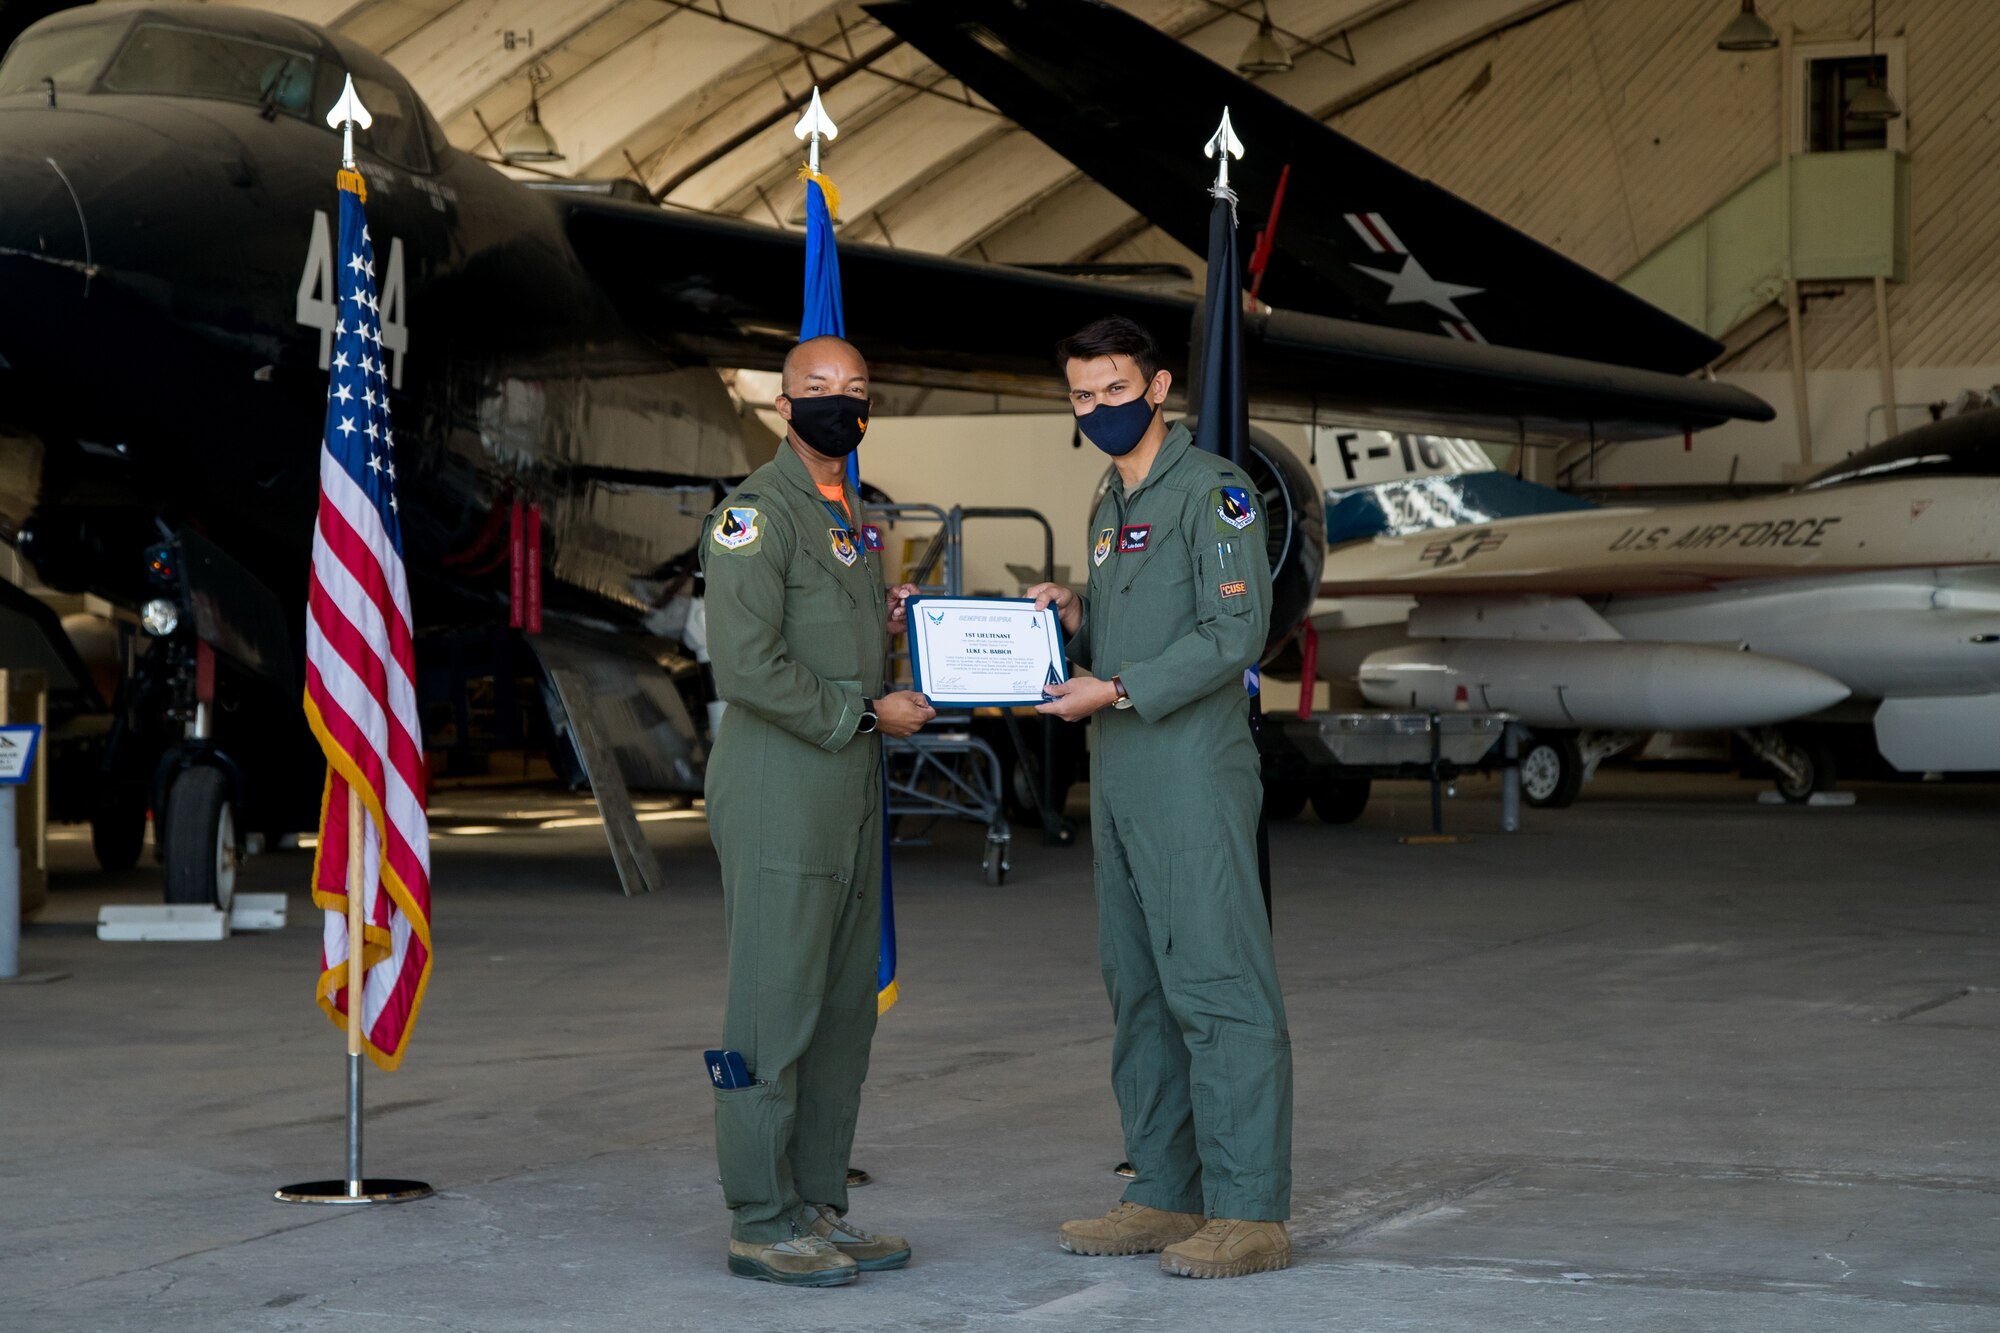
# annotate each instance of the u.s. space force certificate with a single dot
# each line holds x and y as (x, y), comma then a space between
(968, 652)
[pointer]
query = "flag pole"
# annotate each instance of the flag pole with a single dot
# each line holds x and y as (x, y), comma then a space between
(355, 935)
(348, 112)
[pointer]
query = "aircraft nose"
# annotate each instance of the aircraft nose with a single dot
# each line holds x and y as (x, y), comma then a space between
(44, 235)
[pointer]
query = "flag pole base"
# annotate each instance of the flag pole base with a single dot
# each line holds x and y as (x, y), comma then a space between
(372, 1190)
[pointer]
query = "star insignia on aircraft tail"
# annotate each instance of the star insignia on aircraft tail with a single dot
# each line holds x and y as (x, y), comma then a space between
(1413, 284)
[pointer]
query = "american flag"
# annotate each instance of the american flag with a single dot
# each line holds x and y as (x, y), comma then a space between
(360, 670)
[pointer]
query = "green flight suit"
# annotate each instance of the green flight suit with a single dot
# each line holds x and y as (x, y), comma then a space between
(798, 637)
(1178, 605)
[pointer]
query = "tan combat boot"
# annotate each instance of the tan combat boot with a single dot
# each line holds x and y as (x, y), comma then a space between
(870, 1253)
(803, 1261)
(1225, 1247)
(1130, 1228)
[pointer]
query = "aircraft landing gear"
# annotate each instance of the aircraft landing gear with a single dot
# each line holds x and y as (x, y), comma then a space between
(1800, 759)
(118, 829)
(1341, 800)
(203, 849)
(1551, 770)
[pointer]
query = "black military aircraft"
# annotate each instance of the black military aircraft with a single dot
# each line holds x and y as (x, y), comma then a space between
(166, 191)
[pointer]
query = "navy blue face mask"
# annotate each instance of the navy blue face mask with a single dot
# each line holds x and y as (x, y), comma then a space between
(1117, 428)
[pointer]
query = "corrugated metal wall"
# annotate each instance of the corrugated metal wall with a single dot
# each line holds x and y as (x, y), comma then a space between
(1604, 127)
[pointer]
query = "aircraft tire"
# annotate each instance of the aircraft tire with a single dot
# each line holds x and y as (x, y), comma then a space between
(1341, 800)
(118, 833)
(1551, 770)
(202, 844)
(1284, 800)
(1809, 749)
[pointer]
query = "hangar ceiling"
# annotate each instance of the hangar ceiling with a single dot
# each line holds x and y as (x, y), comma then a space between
(696, 99)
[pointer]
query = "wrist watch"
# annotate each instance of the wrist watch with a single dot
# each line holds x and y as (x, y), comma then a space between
(1124, 699)
(868, 719)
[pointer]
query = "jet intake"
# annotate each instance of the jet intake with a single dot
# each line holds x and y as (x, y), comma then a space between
(1617, 685)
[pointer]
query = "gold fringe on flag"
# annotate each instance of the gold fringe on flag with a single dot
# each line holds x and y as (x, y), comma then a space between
(827, 187)
(351, 180)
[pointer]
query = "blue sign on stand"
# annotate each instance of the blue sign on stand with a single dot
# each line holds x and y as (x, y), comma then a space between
(17, 754)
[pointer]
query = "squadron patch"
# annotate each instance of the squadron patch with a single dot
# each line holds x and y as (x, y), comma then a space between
(1235, 589)
(736, 529)
(1103, 551)
(871, 537)
(1234, 507)
(1134, 537)
(844, 549)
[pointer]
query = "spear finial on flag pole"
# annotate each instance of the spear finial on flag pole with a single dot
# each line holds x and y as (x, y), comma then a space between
(346, 114)
(1223, 145)
(814, 123)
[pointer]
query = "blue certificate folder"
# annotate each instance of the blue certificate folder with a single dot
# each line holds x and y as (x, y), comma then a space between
(984, 652)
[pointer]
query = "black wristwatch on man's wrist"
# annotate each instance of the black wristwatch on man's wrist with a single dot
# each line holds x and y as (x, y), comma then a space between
(868, 719)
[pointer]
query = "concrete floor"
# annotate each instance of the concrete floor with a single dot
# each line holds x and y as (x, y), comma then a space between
(1666, 1061)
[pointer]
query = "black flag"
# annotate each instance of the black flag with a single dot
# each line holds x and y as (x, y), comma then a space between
(1224, 424)
(1223, 410)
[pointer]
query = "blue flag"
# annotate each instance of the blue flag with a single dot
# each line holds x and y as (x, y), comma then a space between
(822, 316)
(822, 300)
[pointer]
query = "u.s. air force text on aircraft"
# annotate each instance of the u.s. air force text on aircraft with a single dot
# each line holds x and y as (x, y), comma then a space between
(1707, 536)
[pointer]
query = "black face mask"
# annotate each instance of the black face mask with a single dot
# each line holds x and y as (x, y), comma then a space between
(1117, 429)
(832, 423)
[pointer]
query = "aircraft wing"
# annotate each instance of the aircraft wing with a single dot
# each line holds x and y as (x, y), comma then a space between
(729, 293)
(1358, 237)
(1914, 524)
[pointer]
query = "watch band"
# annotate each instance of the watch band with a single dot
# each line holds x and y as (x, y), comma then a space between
(1124, 699)
(869, 720)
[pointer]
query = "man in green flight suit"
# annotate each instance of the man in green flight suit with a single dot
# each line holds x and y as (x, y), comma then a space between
(1177, 608)
(798, 633)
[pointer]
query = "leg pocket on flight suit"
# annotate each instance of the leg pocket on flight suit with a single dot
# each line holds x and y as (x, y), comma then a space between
(1202, 909)
(798, 906)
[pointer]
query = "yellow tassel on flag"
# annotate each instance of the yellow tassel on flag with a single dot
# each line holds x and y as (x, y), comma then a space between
(351, 180)
(827, 187)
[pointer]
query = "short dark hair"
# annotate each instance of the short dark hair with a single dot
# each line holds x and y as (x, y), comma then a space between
(1114, 335)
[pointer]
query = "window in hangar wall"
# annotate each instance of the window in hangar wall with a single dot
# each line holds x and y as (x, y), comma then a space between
(1825, 78)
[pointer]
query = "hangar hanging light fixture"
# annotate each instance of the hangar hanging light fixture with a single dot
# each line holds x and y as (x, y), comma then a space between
(1747, 32)
(1265, 54)
(530, 141)
(1872, 102)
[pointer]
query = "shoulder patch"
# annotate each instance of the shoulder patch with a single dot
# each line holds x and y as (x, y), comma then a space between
(1235, 507)
(738, 528)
